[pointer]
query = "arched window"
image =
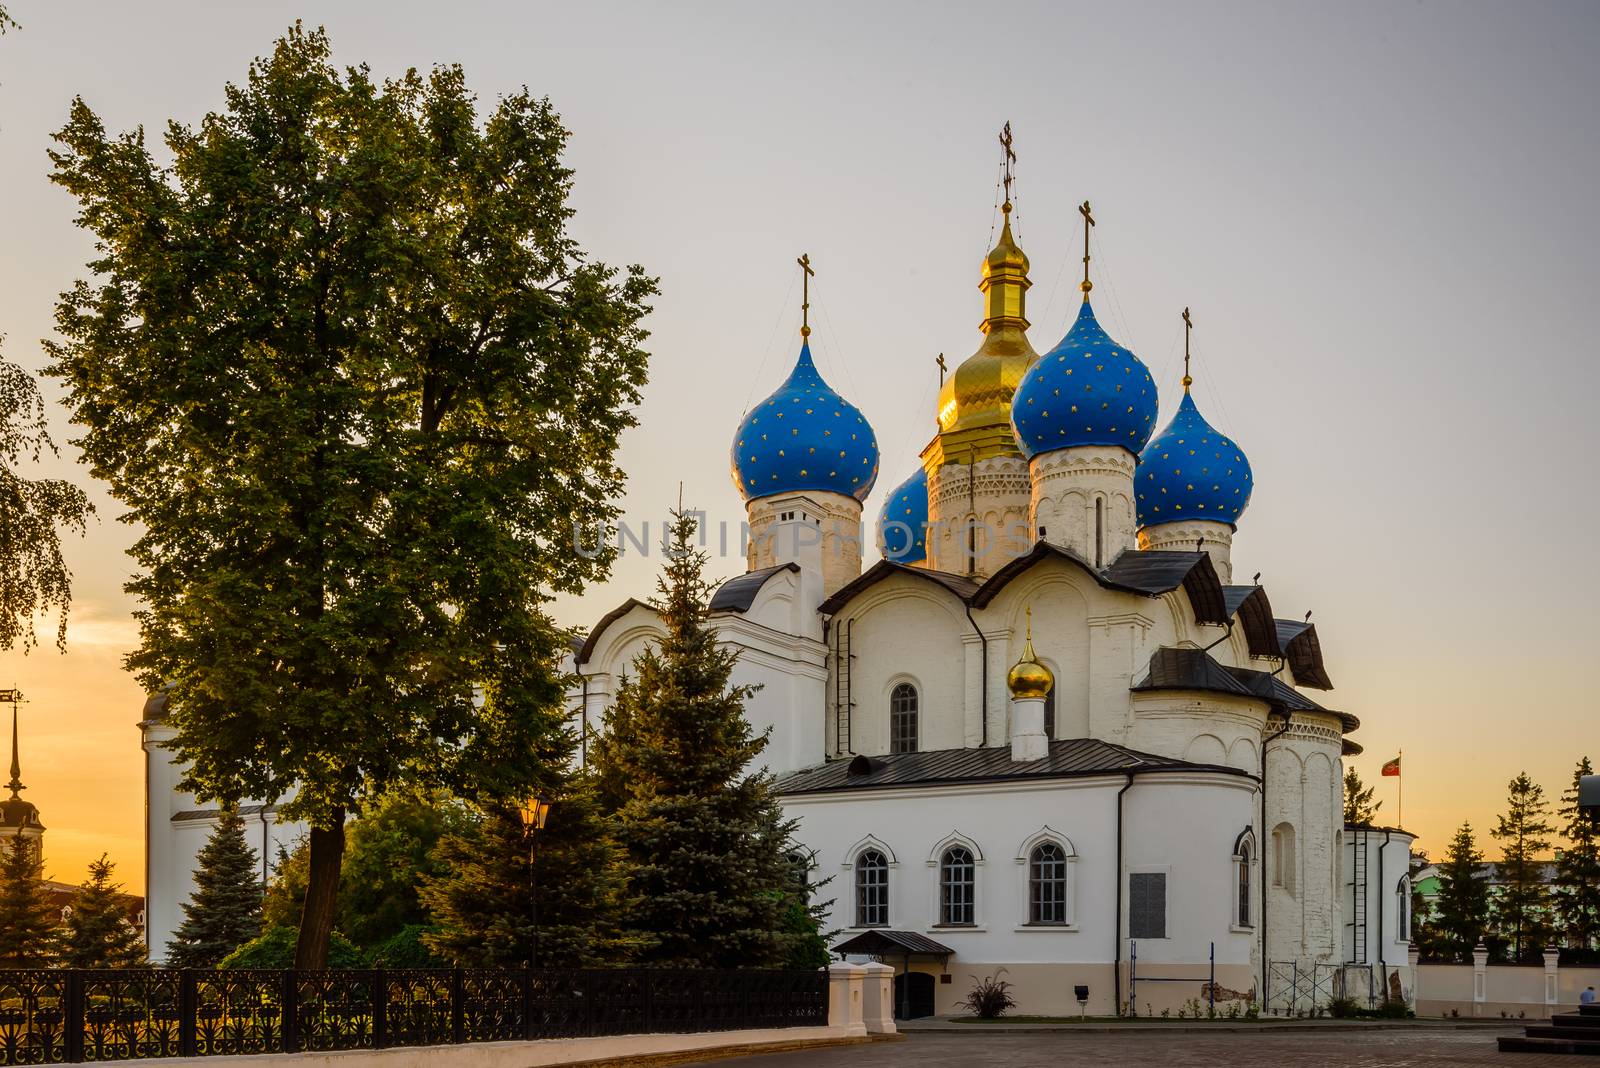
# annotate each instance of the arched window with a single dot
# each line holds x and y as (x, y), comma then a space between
(956, 878)
(903, 719)
(1283, 856)
(1402, 906)
(1050, 714)
(1047, 884)
(1243, 904)
(872, 889)
(1099, 532)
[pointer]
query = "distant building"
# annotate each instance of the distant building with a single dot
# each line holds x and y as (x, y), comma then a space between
(19, 819)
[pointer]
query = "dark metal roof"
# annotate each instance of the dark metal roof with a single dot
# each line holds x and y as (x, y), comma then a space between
(1173, 668)
(1351, 748)
(605, 621)
(960, 585)
(739, 592)
(1285, 698)
(1154, 572)
(1300, 645)
(1249, 605)
(1067, 758)
(213, 813)
(875, 942)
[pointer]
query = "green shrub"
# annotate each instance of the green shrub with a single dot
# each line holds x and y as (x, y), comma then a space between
(405, 949)
(1342, 1008)
(275, 949)
(990, 997)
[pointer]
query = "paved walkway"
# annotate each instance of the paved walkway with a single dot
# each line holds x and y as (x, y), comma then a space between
(1302, 1049)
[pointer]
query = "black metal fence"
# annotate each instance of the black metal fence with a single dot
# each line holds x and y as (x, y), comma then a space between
(66, 1016)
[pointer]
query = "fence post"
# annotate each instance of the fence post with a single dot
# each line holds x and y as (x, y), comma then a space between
(649, 996)
(290, 998)
(380, 1009)
(1211, 1001)
(1480, 978)
(528, 1031)
(1133, 978)
(458, 1019)
(188, 1009)
(1552, 966)
(72, 1039)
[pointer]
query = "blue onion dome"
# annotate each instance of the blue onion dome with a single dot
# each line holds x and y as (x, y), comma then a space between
(1191, 471)
(906, 540)
(1088, 390)
(805, 437)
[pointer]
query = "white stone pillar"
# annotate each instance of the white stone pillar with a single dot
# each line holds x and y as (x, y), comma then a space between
(1413, 959)
(878, 998)
(1480, 977)
(1552, 973)
(1028, 741)
(845, 981)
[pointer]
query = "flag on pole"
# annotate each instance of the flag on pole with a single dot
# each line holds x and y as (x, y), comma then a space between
(1391, 768)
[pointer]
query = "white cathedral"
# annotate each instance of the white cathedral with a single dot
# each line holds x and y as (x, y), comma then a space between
(1046, 732)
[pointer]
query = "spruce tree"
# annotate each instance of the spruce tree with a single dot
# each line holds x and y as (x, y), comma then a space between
(1578, 870)
(1461, 913)
(1358, 804)
(98, 934)
(490, 908)
(27, 918)
(1524, 830)
(707, 847)
(225, 911)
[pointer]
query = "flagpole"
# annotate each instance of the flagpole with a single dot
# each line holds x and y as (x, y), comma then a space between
(1401, 786)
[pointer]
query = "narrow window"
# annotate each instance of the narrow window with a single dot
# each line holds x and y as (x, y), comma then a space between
(1402, 904)
(1283, 856)
(956, 874)
(1050, 714)
(903, 719)
(872, 889)
(1244, 886)
(1147, 905)
(1099, 533)
(1047, 884)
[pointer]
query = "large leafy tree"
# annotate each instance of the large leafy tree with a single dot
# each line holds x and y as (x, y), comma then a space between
(357, 385)
(502, 896)
(27, 919)
(711, 874)
(33, 514)
(1578, 868)
(1359, 807)
(98, 934)
(225, 910)
(1461, 913)
(1524, 829)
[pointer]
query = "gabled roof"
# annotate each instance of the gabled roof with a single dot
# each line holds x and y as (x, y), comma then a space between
(959, 585)
(1174, 668)
(875, 942)
(587, 649)
(1249, 605)
(1285, 698)
(739, 592)
(1300, 645)
(1066, 759)
(1154, 572)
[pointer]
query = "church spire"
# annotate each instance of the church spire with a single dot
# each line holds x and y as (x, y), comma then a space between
(1005, 269)
(15, 785)
(1088, 224)
(1188, 328)
(806, 274)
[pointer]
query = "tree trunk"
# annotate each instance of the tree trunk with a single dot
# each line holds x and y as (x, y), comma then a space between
(322, 894)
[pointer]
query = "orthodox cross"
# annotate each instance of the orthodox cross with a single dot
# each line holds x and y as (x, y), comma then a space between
(940, 361)
(1030, 622)
(1188, 328)
(1009, 158)
(805, 293)
(1088, 221)
(15, 785)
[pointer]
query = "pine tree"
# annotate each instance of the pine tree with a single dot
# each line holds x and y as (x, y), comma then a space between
(98, 934)
(709, 875)
(27, 918)
(1358, 804)
(1524, 829)
(1578, 869)
(225, 911)
(1461, 913)
(489, 908)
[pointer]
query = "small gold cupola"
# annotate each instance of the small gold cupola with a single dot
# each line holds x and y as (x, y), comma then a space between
(1028, 677)
(975, 402)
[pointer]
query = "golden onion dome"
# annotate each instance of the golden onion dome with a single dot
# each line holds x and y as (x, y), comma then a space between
(1029, 678)
(975, 401)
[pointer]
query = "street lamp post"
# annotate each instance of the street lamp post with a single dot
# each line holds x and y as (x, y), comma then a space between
(534, 811)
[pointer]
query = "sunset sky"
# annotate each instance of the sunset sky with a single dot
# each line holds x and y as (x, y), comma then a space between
(1382, 216)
